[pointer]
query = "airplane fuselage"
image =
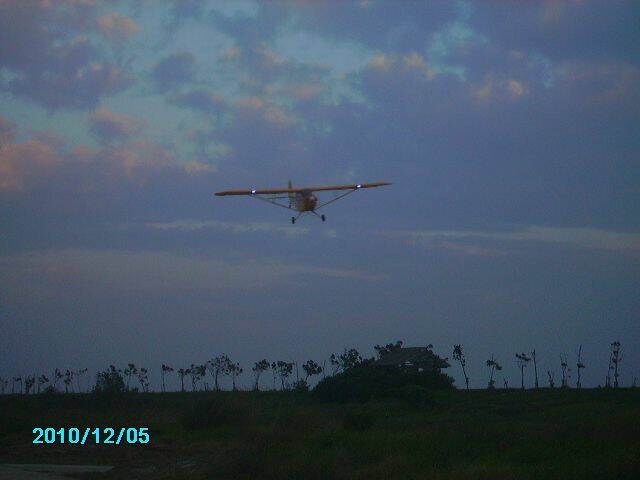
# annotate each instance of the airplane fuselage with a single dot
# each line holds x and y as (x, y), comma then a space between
(304, 201)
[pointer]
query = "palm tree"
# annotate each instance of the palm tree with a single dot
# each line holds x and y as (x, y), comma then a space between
(129, 371)
(523, 359)
(458, 355)
(535, 367)
(493, 366)
(165, 369)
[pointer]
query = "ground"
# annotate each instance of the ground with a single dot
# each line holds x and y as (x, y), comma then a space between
(454, 435)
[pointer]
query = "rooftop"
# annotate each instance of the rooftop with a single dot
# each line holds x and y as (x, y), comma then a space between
(409, 356)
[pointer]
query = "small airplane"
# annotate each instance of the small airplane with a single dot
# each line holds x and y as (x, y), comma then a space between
(301, 199)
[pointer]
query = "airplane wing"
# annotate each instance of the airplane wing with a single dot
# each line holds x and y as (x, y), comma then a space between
(275, 191)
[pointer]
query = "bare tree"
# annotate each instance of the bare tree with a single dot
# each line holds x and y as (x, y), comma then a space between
(68, 378)
(566, 371)
(79, 374)
(42, 379)
(274, 365)
(459, 356)
(258, 369)
(523, 359)
(579, 366)
(182, 373)
(29, 381)
(493, 367)
(535, 367)
(3, 385)
(551, 376)
(57, 376)
(616, 358)
(193, 372)
(143, 378)
(165, 369)
(17, 379)
(335, 364)
(235, 370)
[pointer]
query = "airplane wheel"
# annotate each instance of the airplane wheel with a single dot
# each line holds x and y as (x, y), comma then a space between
(323, 218)
(293, 220)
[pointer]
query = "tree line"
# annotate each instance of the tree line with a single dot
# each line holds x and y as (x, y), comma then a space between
(210, 374)
(524, 359)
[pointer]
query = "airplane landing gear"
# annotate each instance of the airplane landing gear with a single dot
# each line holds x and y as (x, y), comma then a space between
(323, 218)
(293, 220)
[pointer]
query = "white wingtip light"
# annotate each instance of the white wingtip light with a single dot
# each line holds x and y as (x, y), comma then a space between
(253, 192)
(358, 186)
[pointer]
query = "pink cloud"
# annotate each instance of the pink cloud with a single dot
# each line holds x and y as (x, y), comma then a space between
(109, 126)
(40, 164)
(117, 28)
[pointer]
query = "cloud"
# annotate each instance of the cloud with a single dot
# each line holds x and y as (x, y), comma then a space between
(378, 25)
(7, 131)
(108, 126)
(200, 100)
(42, 176)
(487, 242)
(117, 28)
(239, 228)
(174, 71)
(50, 57)
(562, 30)
(157, 273)
(26, 164)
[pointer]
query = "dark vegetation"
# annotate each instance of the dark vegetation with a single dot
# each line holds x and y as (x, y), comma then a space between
(458, 434)
(393, 416)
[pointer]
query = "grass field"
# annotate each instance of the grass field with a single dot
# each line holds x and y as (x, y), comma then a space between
(545, 434)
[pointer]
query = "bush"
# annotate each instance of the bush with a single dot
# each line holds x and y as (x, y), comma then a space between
(362, 383)
(109, 382)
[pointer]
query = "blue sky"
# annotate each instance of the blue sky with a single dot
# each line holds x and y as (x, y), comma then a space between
(509, 130)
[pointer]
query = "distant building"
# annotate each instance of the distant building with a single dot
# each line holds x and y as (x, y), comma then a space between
(412, 358)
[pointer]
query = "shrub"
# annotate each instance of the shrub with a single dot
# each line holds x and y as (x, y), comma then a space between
(109, 382)
(362, 383)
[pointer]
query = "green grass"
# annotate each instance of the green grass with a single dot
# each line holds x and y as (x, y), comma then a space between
(544, 434)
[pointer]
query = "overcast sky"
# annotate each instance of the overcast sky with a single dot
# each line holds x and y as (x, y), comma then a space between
(510, 131)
